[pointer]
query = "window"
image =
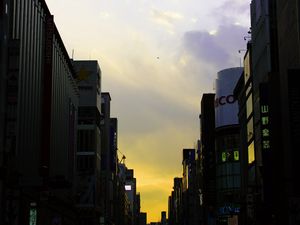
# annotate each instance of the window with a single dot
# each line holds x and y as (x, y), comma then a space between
(249, 105)
(251, 154)
(250, 129)
(127, 187)
(86, 141)
(85, 162)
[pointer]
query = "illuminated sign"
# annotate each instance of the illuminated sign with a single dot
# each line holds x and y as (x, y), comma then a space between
(236, 155)
(32, 214)
(229, 209)
(128, 187)
(229, 156)
(264, 117)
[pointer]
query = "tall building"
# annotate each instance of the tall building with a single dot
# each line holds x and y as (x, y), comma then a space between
(130, 188)
(175, 208)
(275, 66)
(3, 61)
(228, 179)
(249, 165)
(208, 162)
(88, 167)
(40, 102)
(190, 197)
(109, 160)
(264, 67)
(288, 129)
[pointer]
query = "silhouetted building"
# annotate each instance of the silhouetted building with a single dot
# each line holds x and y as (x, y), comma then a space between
(286, 147)
(88, 142)
(228, 179)
(199, 181)
(143, 218)
(189, 193)
(39, 129)
(249, 188)
(109, 161)
(275, 66)
(208, 158)
(123, 208)
(130, 188)
(176, 204)
(163, 220)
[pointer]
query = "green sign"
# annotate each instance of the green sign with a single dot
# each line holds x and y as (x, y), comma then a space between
(32, 216)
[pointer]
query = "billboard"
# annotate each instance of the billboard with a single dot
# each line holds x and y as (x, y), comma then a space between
(226, 106)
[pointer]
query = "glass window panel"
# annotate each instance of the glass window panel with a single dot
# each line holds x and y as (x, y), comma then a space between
(249, 105)
(250, 131)
(251, 154)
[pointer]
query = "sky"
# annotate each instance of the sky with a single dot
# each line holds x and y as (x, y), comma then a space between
(157, 57)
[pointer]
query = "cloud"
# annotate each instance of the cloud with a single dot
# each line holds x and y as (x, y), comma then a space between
(165, 18)
(233, 11)
(204, 46)
(219, 49)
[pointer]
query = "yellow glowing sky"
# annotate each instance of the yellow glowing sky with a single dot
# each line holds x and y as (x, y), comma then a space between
(157, 59)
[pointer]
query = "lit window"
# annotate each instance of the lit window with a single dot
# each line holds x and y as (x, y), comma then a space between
(224, 156)
(251, 155)
(32, 216)
(236, 155)
(128, 187)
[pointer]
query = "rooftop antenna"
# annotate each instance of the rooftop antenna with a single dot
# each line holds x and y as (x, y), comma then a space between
(123, 157)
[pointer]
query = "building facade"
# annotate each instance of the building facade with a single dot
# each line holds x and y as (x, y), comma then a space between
(208, 155)
(228, 179)
(88, 154)
(275, 66)
(40, 101)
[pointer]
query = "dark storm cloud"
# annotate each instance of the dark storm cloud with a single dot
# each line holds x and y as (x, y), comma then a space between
(204, 46)
(217, 49)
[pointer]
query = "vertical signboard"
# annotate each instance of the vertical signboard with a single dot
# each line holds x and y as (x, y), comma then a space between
(47, 95)
(226, 107)
(264, 117)
(265, 141)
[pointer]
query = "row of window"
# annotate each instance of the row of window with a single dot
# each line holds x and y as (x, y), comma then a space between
(86, 141)
(85, 163)
(228, 182)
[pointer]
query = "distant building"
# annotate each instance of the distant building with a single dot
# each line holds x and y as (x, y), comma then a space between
(109, 161)
(163, 220)
(143, 218)
(130, 189)
(208, 158)
(176, 203)
(228, 178)
(190, 196)
(89, 144)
